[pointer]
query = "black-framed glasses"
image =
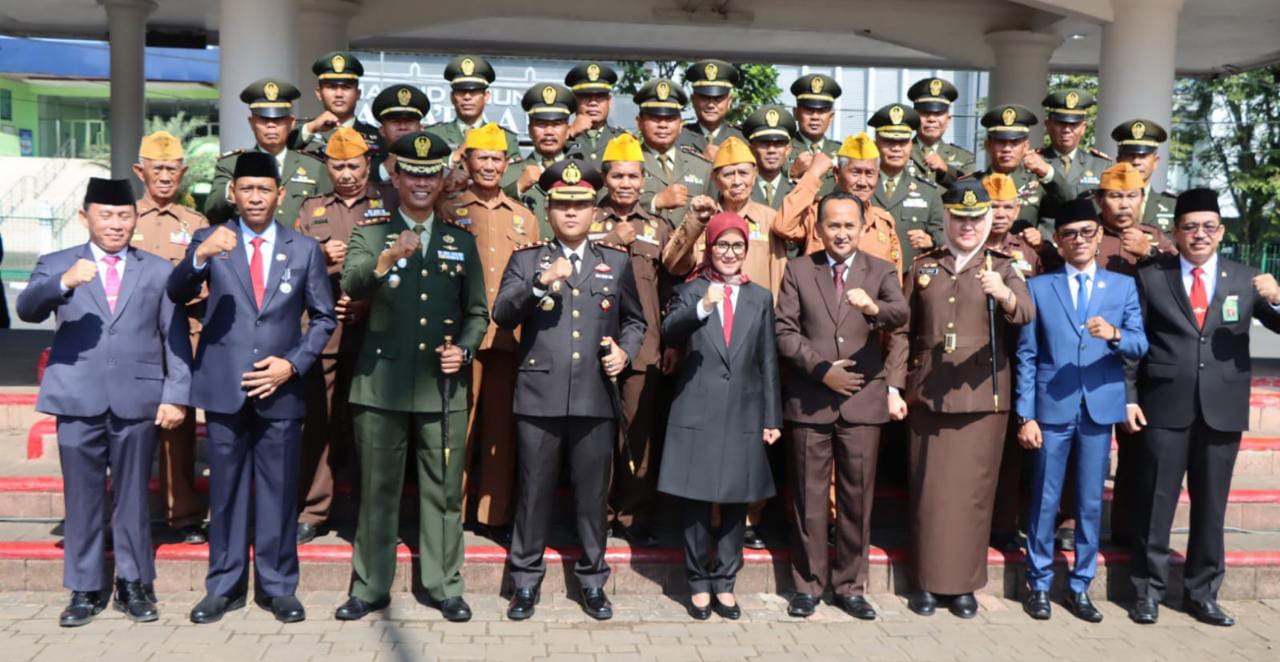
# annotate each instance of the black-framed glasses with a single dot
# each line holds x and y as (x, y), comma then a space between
(1194, 228)
(726, 247)
(1084, 233)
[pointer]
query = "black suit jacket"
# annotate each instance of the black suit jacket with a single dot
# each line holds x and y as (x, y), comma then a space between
(1190, 372)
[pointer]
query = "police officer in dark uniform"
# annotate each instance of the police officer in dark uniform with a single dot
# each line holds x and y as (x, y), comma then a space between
(580, 319)
(1138, 142)
(549, 106)
(592, 83)
(1067, 117)
(713, 82)
(399, 110)
(338, 88)
(908, 194)
(469, 77)
(944, 162)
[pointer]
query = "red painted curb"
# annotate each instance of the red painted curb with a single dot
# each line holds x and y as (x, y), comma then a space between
(18, 399)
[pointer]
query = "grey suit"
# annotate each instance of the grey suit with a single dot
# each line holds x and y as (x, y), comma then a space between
(107, 375)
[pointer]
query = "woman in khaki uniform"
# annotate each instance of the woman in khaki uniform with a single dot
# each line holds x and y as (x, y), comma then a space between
(957, 427)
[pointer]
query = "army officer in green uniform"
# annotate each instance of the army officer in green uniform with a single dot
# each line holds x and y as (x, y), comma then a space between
(673, 175)
(271, 118)
(469, 79)
(592, 84)
(1009, 153)
(424, 282)
(713, 82)
(1066, 119)
(943, 162)
(549, 106)
(338, 89)
(1138, 143)
(909, 195)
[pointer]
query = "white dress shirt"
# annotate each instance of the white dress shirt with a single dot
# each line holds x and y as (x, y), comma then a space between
(1209, 277)
(703, 313)
(1091, 273)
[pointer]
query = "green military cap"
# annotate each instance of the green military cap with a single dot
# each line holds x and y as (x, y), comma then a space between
(1009, 121)
(769, 123)
(420, 153)
(967, 198)
(1069, 106)
(932, 95)
(338, 66)
(895, 122)
(711, 78)
(816, 91)
(591, 77)
(469, 72)
(571, 179)
(270, 97)
(400, 101)
(660, 96)
(1139, 136)
(549, 101)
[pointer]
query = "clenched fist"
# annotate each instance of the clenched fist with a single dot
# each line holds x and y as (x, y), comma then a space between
(80, 273)
(1035, 163)
(1135, 242)
(993, 285)
(672, 197)
(1033, 237)
(820, 164)
(919, 239)
(221, 240)
(625, 233)
(1102, 329)
(334, 251)
(861, 301)
(323, 122)
(935, 162)
(703, 207)
(1266, 287)
(528, 177)
(559, 270)
(801, 165)
(713, 297)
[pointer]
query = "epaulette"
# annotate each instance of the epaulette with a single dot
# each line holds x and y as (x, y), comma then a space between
(234, 152)
(376, 220)
(960, 149)
(693, 151)
(616, 247)
(534, 244)
(1169, 194)
(935, 253)
(996, 252)
(921, 178)
(1100, 154)
(456, 225)
(309, 155)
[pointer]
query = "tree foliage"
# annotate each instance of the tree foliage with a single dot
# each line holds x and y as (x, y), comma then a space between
(758, 84)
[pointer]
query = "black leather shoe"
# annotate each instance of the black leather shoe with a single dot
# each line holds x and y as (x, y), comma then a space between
(83, 607)
(1037, 605)
(522, 604)
(135, 601)
(856, 606)
(1145, 612)
(1080, 605)
(752, 540)
(801, 605)
(455, 610)
(211, 608)
(922, 603)
(307, 532)
(355, 609)
(1005, 542)
(1207, 611)
(286, 608)
(964, 605)
(193, 534)
(699, 613)
(731, 612)
(596, 604)
(1065, 540)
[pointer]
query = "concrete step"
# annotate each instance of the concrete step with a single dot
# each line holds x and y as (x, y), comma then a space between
(31, 560)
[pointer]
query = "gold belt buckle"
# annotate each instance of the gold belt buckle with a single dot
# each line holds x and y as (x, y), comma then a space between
(949, 344)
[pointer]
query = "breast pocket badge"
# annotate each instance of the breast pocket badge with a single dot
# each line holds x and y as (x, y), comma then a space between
(1231, 309)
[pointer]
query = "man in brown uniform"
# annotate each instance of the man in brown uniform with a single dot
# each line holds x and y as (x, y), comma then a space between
(857, 173)
(958, 416)
(500, 226)
(621, 220)
(165, 228)
(330, 220)
(1004, 212)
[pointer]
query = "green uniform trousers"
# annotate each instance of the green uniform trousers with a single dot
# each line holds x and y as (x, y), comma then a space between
(383, 438)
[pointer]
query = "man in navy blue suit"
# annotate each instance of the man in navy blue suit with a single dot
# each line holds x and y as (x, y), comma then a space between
(117, 369)
(1071, 391)
(262, 277)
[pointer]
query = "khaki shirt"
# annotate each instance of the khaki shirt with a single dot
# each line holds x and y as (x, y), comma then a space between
(166, 231)
(500, 226)
(652, 284)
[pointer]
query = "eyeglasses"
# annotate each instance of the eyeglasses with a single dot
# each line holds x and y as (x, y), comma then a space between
(1085, 233)
(724, 247)
(1195, 228)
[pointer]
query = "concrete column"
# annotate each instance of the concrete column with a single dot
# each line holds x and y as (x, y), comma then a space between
(256, 39)
(322, 27)
(1021, 74)
(1137, 70)
(127, 31)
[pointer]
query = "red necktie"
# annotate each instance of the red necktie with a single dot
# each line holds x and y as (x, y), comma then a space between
(255, 271)
(727, 314)
(839, 279)
(1199, 298)
(112, 285)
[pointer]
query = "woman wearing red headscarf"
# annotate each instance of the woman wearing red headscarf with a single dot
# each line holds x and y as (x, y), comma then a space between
(727, 408)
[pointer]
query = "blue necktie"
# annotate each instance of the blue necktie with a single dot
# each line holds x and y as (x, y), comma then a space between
(1082, 298)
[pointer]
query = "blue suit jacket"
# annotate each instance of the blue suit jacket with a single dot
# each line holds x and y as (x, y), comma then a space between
(127, 363)
(236, 334)
(1058, 361)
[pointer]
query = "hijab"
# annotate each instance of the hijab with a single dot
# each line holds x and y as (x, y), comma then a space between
(718, 225)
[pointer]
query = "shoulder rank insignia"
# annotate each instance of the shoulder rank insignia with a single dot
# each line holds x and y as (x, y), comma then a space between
(616, 247)
(1098, 153)
(535, 244)
(373, 220)
(448, 239)
(233, 152)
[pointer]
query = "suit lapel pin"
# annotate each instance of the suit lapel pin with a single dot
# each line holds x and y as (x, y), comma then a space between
(280, 257)
(1102, 285)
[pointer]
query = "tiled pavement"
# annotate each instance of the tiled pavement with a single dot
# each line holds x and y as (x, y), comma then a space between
(647, 627)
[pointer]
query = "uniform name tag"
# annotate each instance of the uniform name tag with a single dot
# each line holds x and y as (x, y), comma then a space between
(456, 256)
(302, 179)
(915, 202)
(1231, 309)
(180, 238)
(949, 342)
(647, 240)
(604, 276)
(930, 270)
(693, 179)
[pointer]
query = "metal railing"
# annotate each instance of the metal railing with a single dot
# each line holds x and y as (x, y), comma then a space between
(1265, 257)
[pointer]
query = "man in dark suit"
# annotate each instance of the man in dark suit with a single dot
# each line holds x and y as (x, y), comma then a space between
(262, 276)
(117, 369)
(1193, 400)
(569, 296)
(831, 310)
